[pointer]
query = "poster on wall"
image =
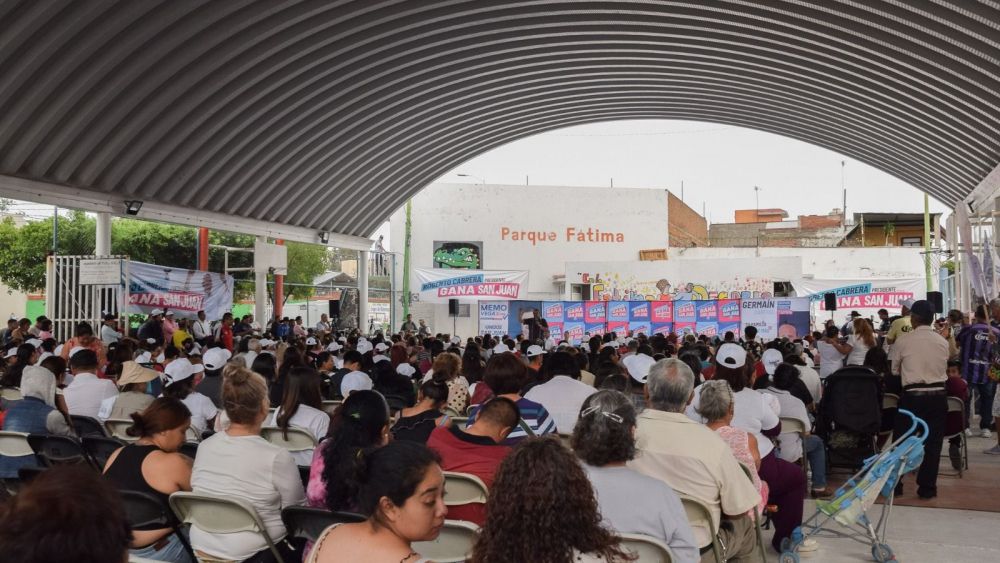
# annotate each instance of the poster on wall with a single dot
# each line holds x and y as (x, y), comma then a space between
(493, 317)
(684, 312)
(663, 312)
(663, 328)
(438, 286)
(794, 319)
(573, 332)
(520, 311)
(595, 312)
(552, 312)
(185, 292)
(464, 255)
(761, 314)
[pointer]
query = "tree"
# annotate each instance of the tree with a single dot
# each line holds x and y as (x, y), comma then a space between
(23, 250)
(310, 260)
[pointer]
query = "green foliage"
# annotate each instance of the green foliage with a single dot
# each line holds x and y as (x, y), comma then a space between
(23, 250)
(310, 260)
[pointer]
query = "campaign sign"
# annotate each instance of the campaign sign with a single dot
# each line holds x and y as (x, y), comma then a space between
(595, 312)
(684, 312)
(552, 311)
(683, 329)
(710, 329)
(706, 311)
(556, 331)
(617, 311)
(573, 332)
(595, 329)
(638, 311)
(663, 328)
(663, 311)
(573, 311)
(639, 328)
(618, 327)
(729, 311)
(729, 327)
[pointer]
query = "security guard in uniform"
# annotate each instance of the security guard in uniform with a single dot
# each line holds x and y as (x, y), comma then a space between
(920, 358)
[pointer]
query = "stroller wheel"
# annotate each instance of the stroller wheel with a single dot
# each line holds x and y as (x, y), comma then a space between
(882, 553)
(788, 557)
(786, 544)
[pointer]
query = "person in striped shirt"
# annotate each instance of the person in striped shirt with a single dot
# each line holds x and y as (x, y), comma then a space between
(505, 376)
(976, 343)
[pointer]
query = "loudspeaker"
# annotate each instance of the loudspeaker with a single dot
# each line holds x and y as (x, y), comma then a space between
(334, 308)
(937, 301)
(830, 300)
(453, 307)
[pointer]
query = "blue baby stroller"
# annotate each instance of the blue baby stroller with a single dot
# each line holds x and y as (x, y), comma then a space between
(850, 503)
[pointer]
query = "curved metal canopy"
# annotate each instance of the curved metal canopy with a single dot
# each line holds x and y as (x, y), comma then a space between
(327, 115)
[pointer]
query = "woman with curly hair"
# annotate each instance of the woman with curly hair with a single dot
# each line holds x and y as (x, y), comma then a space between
(630, 502)
(447, 369)
(542, 508)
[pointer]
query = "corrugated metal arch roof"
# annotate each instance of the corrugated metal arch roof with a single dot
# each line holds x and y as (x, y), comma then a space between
(327, 115)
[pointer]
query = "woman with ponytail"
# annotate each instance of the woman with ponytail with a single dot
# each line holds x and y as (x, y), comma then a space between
(302, 407)
(361, 422)
(152, 465)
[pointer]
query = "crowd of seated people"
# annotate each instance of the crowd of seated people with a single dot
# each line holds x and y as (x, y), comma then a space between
(646, 419)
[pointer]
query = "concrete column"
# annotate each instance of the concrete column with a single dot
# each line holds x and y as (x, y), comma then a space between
(279, 291)
(363, 290)
(103, 238)
(260, 290)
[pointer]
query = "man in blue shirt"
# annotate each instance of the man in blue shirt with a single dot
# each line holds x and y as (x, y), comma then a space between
(976, 342)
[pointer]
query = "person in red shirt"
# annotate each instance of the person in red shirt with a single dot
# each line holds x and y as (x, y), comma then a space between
(954, 423)
(477, 450)
(226, 331)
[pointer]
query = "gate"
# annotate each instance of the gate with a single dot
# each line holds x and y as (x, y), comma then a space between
(73, 296)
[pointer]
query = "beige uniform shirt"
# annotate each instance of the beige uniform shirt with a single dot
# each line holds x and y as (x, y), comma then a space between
(920, 356)
(695, 462)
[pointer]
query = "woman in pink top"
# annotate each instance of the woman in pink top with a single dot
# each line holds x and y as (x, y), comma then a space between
(716, 406)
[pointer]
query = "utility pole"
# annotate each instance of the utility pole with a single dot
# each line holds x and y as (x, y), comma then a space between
(927, 244)
(682, 190)
(843, 188)
(756, 197)
(406, 259)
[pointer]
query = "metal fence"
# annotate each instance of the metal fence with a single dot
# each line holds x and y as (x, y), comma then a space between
(69, 303)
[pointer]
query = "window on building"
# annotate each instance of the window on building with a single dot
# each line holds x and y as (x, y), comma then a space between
(912, 241)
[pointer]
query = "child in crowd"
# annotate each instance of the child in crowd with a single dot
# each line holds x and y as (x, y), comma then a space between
(956, 422)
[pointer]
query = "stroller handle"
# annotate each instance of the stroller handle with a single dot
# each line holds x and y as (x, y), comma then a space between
(916, 422)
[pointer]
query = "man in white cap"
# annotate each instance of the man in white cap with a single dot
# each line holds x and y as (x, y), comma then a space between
(214, 360)
(355, 381)
(133, 396)
(153, 327)
(169, 326)
(85, 394)
(535, 356)
(901, 325)
(638, 367)
(381, 348)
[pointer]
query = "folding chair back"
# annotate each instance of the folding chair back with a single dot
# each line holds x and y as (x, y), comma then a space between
(57, 450)
(789, 425)
(308, 522)
(192, 435)
(464, 488)
(100, 449)
(220, 515)
(189, 449)
(452, 413)
(453, 545)
(890, 401)
(757, 516)
(701, 517)
(117, 428)
(649, 549)
(331, 406)
(956, 405)
(143, 509)
(298, 439)
(87, 426)
(10, 393)
(460, 421)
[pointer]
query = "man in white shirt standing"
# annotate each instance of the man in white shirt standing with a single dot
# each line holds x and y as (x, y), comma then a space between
(562, 394)
(201, 329)
(85, 394)
(109, 335)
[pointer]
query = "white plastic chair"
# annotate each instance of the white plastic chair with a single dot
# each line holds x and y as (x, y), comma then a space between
(453, 545)
(11, 393)
(298, 439)
(795, 426)
(463, 488)
(220, 515)
(330, 406)
(648, 548)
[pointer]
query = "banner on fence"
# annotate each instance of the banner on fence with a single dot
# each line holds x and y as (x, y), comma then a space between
(440, 285)
(859, 294)
(185, 292)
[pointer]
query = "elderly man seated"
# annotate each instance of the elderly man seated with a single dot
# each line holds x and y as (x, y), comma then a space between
(694, 461)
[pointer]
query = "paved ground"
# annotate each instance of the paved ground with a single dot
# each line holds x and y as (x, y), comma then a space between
(925, 534)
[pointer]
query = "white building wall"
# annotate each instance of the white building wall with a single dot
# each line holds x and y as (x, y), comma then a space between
(636, 219)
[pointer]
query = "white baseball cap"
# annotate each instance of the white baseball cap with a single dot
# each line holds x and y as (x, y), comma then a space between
(381, 347)
(342, 339)
(456, 340)
(144, 358)
(406, 369)
(265, 342)
(535, 350)
(731, 355)
(355, 381)
(215, 358)
(311, 341)
(156, 312)
(907, 303)
(333, 347)
(771, 359)
(169, 314)
(501, 348)
(11, 353)
(74, 350)
(363, 347)
(179, 370)
(638, 366)
(34, 342)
